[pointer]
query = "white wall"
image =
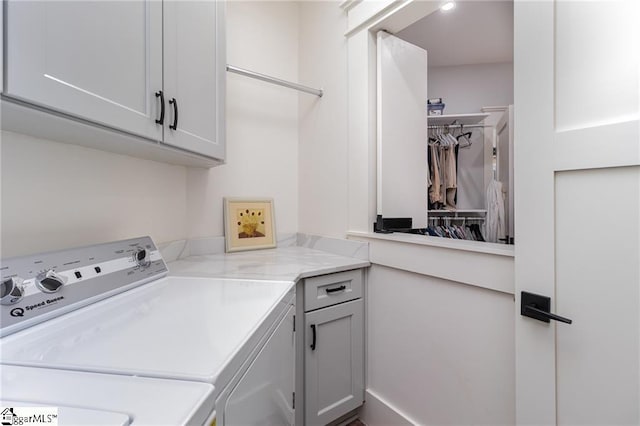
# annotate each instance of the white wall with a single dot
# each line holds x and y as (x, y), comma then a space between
(468, 88)
(262, 121)
(56, 195)
(109, 197)
(439, 352)
(322, 152)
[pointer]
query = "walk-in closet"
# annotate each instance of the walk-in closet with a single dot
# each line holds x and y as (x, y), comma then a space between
(445, 124)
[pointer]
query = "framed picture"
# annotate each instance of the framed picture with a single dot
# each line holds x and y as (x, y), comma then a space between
(249, 224)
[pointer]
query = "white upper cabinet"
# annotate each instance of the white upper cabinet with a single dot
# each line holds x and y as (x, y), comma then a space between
(148, 68)
(100, 60)
(194, 76)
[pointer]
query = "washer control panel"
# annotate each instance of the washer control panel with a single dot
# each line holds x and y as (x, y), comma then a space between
(39, 287)
(49, 281)
(11, 291)
(142, 257)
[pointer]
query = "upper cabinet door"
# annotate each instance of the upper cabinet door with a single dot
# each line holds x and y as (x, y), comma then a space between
(194, 76)
(402, 129)
(99, 60)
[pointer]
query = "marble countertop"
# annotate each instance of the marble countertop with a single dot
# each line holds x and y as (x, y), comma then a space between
(281, 264)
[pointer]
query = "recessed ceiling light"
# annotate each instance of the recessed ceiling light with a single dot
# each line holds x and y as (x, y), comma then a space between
(447, 6)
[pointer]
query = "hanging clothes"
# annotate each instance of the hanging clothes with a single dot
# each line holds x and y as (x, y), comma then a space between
(443, 172)
(445, 229)
(495, 222)
(435, 176)
(451, 178)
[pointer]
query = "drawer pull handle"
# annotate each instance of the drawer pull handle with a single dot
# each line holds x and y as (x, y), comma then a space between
(313, 343)
(335, 289)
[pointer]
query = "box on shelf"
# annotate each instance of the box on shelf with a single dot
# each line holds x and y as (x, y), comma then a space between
(435, 109)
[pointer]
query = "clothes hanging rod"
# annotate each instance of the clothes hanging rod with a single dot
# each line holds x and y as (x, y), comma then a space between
(456, 212)
(442, 218)
(456, 126)
(268, 79)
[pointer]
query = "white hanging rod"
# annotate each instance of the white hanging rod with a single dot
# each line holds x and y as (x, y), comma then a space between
(268, 79)
(456, 126)
(443, 218)
(453, 213)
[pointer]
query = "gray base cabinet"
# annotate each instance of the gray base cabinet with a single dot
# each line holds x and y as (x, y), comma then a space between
(333, 362)
(331, 347)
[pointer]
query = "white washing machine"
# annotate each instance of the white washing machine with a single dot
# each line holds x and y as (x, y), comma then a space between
(111, 310)
(81, 398)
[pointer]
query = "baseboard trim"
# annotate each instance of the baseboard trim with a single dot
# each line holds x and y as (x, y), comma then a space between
(378, 412)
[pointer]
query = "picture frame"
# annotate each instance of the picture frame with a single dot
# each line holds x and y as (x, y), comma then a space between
(249, 224)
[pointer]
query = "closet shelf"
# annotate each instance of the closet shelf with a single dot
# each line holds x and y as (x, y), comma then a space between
(465, 119)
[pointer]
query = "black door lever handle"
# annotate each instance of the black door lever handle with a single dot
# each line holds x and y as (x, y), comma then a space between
(545, 314)
(538, 307)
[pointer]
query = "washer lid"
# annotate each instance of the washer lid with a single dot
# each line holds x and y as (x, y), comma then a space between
(68, 415)
(180, 328)
(92, 398)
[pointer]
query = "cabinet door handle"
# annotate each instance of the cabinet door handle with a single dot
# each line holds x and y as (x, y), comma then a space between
(335, 289)
(173, 102)
(160, 95)
(313, 343)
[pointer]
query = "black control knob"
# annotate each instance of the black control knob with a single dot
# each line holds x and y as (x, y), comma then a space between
(50, 282)
(142, 258)
(11, 291)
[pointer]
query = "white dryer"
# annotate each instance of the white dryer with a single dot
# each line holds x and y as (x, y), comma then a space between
(111, 310)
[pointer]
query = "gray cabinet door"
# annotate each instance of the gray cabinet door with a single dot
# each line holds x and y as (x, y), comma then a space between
(334, 365)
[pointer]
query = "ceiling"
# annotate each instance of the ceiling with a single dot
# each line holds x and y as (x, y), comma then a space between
(474, 32)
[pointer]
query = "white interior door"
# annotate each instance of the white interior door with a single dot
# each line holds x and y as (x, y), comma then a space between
(402, 129)
(577, 166)
(98, 60)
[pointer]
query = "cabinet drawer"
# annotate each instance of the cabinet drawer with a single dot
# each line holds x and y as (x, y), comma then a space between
(327, 290)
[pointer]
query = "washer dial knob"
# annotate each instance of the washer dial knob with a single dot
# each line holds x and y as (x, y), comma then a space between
(142, 258)
(11, 291)
(50, 282)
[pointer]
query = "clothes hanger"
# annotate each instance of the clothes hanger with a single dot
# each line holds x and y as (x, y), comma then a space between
(466, 137)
